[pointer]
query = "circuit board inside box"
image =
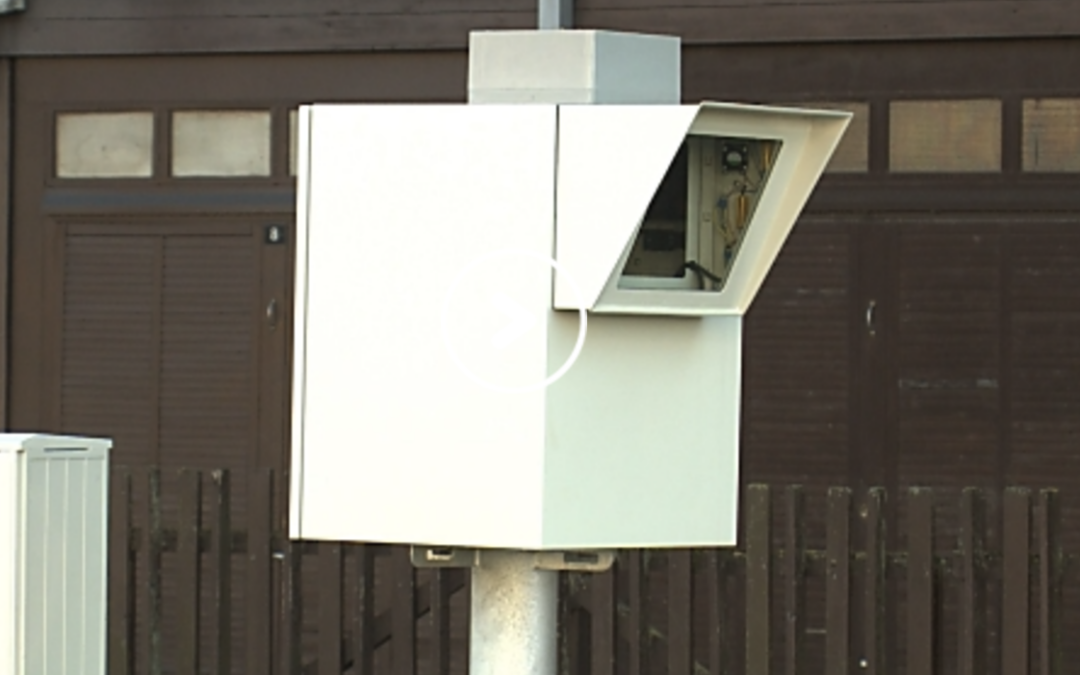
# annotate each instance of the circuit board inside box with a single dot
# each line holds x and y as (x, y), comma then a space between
(691, 232)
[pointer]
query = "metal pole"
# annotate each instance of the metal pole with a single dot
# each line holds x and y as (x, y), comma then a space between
(555, 14)
(512, 628)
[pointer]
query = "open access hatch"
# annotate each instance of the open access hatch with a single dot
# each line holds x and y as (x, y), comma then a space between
(681, 209)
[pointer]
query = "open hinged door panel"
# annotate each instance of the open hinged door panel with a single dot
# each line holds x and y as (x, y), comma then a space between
(681, 210)
(413, 223)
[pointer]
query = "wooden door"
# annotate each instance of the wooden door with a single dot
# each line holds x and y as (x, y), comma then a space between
(800, 406)
(171, 336)
(979, 377)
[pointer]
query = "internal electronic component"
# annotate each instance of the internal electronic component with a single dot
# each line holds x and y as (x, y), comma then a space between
(698, 218)
(735, 157)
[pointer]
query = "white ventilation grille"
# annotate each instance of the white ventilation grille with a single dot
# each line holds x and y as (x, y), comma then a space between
(54, 566)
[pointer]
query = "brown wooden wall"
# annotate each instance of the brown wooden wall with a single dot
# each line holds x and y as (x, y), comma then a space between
(56, 27)
(816, 383)
(972, 376)
(843, 255)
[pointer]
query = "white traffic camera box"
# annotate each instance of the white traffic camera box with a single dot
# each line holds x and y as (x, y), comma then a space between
(54, 509)
(519, 326)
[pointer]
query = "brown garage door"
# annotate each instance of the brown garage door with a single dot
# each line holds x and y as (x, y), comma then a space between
(921, 350)
(170, 337)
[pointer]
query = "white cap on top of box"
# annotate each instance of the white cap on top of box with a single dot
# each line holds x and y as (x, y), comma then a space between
(573, 66)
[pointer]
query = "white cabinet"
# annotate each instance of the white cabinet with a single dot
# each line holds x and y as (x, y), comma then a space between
(53, 554)
(501, 343)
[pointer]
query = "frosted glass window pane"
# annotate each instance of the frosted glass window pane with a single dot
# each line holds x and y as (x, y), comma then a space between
(853, 153)
(292, 142)
(1052, 135)
(945, 136)
(105, 145)
(221, 143)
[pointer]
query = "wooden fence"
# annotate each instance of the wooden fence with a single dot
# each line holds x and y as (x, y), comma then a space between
(823, 581)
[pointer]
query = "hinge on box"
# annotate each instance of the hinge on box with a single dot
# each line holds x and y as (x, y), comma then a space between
(443, 556)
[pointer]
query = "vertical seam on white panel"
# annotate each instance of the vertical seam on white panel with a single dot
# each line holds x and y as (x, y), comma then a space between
(65, 543)
(542, 534)
(299, 389)
(84, 566)
(101, 607)
(555, 204)
(20, 562)
(44, 598)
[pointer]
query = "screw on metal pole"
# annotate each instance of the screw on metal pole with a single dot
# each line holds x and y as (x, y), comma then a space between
(555, 14)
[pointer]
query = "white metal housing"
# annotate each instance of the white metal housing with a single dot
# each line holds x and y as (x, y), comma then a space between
(573, 66)
(53, 554)
(636, 446)
(611, 162)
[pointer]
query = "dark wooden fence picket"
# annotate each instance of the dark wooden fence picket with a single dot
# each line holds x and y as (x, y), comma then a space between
(837, 583)
(752, 609)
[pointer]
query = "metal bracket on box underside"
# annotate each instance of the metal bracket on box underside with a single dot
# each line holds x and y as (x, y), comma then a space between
(569, 561)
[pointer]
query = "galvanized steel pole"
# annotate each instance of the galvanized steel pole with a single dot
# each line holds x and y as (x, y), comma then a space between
(555, 14)
(513, 616)
(512, 627)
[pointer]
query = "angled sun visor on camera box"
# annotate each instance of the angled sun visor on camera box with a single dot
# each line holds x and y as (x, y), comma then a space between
(681, 210)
